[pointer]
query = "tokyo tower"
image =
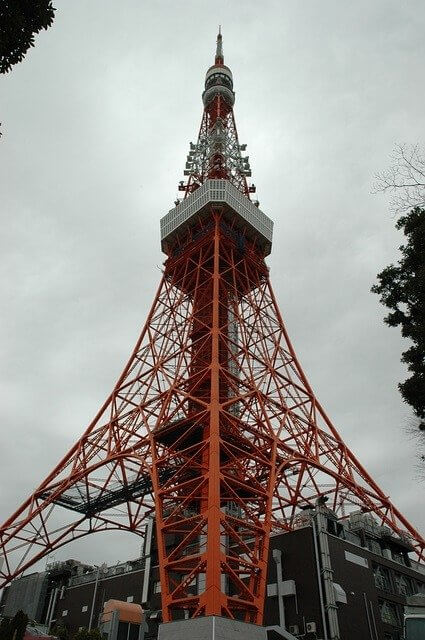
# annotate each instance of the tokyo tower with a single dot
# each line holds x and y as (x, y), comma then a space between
(212, 427)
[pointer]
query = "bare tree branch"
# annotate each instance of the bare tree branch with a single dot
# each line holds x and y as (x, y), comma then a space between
(415, 432)
(404, 179)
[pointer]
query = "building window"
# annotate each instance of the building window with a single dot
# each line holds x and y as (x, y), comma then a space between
(130, 598)
(157, 587)
(64, 613)
(414, 628)
(84, 608)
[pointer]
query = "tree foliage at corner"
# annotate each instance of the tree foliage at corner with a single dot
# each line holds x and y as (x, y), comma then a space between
(60, 631)
(5, 629)
(85, 634)
(14, 629)
(402, 290)
(19, 21)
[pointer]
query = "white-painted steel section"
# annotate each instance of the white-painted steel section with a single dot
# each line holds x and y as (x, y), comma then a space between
(217, 191)
(214, 70)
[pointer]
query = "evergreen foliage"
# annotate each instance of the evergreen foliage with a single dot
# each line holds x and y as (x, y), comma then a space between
(5, 629)
(17, 626)
(19, 21)
(85, 634)
(60, 631)
(402, 290)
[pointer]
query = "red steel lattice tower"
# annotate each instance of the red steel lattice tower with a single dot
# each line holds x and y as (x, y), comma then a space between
(212, 426)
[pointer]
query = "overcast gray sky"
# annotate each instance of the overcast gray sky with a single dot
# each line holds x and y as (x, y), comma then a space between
(96, 126)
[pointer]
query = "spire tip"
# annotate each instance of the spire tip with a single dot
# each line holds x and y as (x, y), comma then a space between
(219, 58)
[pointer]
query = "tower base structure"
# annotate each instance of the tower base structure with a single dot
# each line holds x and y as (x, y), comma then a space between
(211, 628)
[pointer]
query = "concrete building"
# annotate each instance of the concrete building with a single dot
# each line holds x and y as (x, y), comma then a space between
(36, 593)
(28, 593)
(326, 579)
(347, 581)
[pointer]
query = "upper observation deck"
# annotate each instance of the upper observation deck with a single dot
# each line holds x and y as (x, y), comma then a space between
(218, 192)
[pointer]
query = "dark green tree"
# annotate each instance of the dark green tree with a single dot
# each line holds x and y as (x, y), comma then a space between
(85, 634)
(60, 631)
(401, 288)
(17, 625)
(20, 20)
(5, 629)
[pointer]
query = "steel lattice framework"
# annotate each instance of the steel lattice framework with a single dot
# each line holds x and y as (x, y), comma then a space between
(212, 426)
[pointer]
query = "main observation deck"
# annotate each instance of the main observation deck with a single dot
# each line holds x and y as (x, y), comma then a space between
(236, 204)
